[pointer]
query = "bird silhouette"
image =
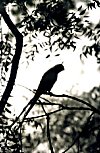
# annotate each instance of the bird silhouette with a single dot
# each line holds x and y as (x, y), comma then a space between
(46, 83)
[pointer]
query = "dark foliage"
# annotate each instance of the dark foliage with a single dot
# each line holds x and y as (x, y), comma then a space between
(5, 58)
(55, 19)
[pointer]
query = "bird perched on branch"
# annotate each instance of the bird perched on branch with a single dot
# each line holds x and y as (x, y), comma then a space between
(46, 83)
(48, 79)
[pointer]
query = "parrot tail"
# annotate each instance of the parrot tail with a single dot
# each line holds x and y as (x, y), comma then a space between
(32, 103)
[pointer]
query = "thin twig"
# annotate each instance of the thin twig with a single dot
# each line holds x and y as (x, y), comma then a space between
(48, 134)
(78, 100)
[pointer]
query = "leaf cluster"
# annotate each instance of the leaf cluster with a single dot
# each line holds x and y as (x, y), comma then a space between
(54, 19)
(5, 58)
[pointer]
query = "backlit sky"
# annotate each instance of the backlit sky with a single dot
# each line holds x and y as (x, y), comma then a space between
(76, 78)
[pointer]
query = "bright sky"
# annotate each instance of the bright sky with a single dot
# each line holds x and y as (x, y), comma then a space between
(76, 78)
(77, 75)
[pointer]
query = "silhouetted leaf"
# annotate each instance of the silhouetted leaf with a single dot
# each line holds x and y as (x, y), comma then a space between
(57, 54)
(48, 56)
(80, 8)
(8, 104)
(82, 12)
(6, 109)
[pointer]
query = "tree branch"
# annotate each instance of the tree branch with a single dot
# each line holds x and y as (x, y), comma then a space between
(15, 60)
(48, 134)
(95, 110)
